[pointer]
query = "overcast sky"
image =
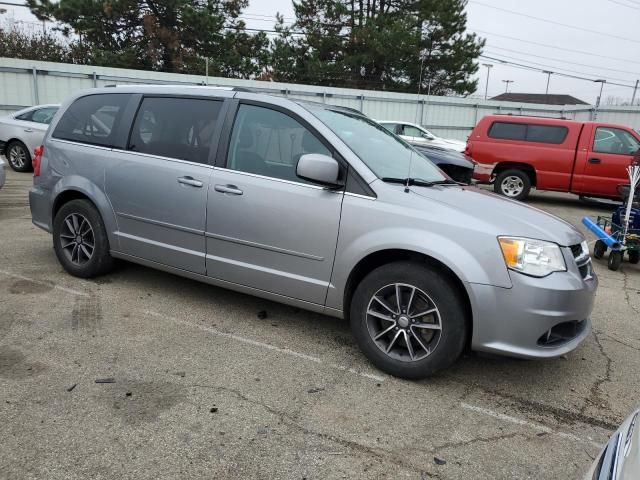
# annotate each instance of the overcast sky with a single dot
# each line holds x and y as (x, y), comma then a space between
(608, 34)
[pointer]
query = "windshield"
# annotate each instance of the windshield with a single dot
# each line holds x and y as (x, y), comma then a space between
(384, 153)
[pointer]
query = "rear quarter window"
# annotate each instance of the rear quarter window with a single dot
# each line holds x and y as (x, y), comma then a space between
(93, 120)
(527, 132)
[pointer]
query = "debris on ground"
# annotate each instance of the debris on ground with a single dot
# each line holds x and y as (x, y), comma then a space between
(439, 461)
(69, 389)
(262, 314)
(105, 380)
(214, 410)
(315, 390)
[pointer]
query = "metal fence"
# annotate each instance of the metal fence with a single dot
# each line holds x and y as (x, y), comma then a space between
(25, 82)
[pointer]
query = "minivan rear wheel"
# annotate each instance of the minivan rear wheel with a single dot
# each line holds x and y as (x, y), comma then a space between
(513, 183)
(408, 320)
(80, 240)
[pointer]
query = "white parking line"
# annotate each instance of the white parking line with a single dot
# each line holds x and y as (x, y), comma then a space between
(526, 423)
(48, 284)
(266, 346)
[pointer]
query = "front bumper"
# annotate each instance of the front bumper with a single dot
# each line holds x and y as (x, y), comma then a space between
(536, 317)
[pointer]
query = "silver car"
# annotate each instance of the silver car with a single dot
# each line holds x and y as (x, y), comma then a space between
(3, 173)
(620, 457)
(314, 206)
(22, 131)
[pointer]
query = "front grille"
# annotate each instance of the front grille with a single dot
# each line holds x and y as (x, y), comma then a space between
(583, 261)
(562, 333)
(576, 250)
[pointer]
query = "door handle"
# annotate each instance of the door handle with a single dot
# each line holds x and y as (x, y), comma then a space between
(190, 181)
(28, 130)
(232, 189)
(595, 160)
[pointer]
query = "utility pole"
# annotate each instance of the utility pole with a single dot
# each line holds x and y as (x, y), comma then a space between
(635, 89)
(507, 82)
(595, 111)
(548, 79)
(486, 87)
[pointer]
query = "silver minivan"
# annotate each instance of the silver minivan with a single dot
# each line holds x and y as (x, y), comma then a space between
(315, 206)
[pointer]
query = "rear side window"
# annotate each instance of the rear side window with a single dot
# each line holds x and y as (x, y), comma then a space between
(528, 132)
(180, 128)
(44, 115)
(508, 131)
(92, 119)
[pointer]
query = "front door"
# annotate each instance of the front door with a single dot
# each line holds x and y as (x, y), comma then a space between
(267, 228)
(158, 186)
(610, 154)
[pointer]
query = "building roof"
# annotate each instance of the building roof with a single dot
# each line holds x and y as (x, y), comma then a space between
(540, 98)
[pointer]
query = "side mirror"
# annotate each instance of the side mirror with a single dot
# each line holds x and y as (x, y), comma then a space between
(427, 136)
(318, 168)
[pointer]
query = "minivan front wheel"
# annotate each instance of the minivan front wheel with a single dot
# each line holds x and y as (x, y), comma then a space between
(408, 320)
(80, 240)
(513, 183)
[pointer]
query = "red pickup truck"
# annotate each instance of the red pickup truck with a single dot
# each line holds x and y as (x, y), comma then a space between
(585, 158)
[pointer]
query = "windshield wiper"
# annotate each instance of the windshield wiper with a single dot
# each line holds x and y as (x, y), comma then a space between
(408, 182)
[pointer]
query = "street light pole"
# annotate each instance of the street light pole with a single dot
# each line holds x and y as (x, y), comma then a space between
(486, 87)
(507, 82)
(548, 79)
(635, 90)
(595, 111)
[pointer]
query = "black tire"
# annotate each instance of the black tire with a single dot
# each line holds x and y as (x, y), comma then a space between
(599, 249)
(442, 293)
(18, 156)
(615, 260)
(634, 256)
(520, 177)
(100, 261)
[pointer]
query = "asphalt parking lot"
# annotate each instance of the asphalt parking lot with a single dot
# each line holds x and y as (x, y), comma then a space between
(202, 387)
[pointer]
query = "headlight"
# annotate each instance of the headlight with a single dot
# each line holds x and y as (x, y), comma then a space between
(532, 257)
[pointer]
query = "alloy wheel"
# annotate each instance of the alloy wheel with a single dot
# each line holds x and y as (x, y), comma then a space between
(18, 156)
(512, 186)
(77, 239)
(404, 322)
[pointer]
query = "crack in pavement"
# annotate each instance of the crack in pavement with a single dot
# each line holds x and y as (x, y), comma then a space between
(466, 443)
(561, 415)
(614, 339)
(291, 422)
(626, 288)
(595, 398)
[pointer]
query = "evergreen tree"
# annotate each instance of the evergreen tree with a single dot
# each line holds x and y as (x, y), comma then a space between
(383, 44)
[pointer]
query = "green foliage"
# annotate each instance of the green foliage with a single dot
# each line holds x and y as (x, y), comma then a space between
(383, 44)
(400, 45)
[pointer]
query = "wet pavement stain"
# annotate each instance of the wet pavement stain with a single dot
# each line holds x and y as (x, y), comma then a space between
(86, 313)
(23, 287)
(14, 365)
(143, 402)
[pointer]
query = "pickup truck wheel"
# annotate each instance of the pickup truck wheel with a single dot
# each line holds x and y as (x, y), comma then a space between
(615, 260)
(513, 183)
(599, 249)
(634, 256)
(18, 156)
(80, 240)
(408, 320)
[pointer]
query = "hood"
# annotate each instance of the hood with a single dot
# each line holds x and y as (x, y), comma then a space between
(506, 217)
(439, 156)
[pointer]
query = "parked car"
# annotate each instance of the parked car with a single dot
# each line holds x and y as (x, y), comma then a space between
(457, 165)
(417, 134)
(620, 457)
(3, 173)
(23, 131)
(585, 158)
(314, 206)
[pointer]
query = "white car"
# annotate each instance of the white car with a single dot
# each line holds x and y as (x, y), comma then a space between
(23, 131)
(2, 172)
(414, 133)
